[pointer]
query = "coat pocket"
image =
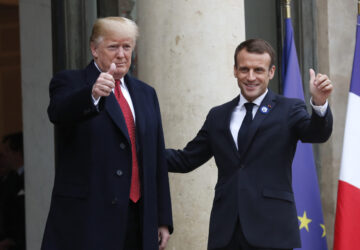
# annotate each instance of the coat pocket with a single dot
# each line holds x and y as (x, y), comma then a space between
(278, 194)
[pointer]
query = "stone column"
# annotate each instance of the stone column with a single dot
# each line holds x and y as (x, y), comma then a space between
(185, 50)
(36, 71)
(336, 43)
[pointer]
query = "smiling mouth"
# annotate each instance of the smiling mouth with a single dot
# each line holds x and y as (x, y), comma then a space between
(251, 85)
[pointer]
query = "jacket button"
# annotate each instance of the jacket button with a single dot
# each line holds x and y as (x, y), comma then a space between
(122, 145)
(242, 166)
(114, 201)
(119, 172)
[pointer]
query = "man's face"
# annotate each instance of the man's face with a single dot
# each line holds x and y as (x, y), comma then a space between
(114, 49)
(253, 73)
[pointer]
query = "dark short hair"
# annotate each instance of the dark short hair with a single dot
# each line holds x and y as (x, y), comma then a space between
(258, 46)
(14, 141)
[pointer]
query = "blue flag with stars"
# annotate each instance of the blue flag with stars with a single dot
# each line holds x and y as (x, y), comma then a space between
(305, 183)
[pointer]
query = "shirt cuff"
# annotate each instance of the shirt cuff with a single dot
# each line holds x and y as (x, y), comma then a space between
(95, 101)
(319, 110)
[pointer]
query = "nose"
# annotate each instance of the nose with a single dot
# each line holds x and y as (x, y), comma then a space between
(120, 52)
(251, 76)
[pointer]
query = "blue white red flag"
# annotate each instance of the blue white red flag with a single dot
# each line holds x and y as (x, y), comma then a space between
(347, 222)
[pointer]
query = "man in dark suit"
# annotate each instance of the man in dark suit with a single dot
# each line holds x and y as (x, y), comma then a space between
(111, 189)
(254, 205)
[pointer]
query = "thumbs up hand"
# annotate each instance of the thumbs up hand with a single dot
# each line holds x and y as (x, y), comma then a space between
(104, 83)
(320, 87)
(112, 69)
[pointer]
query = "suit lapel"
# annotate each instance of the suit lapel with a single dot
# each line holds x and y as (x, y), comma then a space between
(91, 73)
(113, 109)
(137, 99)
(228, 112)
(263, 111)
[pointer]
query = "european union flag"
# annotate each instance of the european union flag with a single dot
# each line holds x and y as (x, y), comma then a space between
(305, 183)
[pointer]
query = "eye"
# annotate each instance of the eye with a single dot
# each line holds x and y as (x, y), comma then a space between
(127, 47)
(243, 70)
(259, 70)
(113, 47)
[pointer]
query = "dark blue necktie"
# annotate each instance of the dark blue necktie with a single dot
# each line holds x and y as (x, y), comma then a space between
(245, 126)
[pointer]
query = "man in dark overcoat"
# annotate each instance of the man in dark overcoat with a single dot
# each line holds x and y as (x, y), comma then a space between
(111, 189)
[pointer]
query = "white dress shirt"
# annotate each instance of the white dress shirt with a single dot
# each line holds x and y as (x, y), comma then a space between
(124, 91)
(239, 113)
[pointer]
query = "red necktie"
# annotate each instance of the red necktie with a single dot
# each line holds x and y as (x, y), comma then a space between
(130, 124)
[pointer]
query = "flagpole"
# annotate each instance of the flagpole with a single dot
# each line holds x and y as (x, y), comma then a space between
(288, 8)
(359, 7)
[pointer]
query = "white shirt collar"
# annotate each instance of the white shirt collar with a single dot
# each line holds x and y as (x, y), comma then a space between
(97, 67)
(257, 101)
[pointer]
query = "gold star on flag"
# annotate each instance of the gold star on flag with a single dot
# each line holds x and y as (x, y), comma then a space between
(324, 230)
(304, 221)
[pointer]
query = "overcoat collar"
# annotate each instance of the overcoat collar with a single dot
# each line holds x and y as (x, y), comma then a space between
(112, 106)
(138, 98)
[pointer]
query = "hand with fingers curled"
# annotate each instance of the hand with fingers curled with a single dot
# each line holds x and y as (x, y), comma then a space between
(320, 88)
(163, 236)
(105, 83)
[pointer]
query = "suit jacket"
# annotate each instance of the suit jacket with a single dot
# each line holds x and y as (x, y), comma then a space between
(93, 165)
(255, 187)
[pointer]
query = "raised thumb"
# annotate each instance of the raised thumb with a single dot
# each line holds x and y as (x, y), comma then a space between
(112, 69)
(312, 75)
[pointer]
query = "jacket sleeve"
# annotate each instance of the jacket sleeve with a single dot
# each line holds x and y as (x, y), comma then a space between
(310, 128)
(197, 151)
(70, 99)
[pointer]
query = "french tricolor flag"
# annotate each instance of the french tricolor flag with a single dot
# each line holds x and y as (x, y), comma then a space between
(347, 223)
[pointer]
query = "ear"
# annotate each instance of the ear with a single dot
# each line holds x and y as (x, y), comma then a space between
(272, 72)
(93, 48)
(235, 72)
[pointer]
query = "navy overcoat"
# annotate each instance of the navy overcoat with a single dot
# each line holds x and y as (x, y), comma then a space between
(93, 165)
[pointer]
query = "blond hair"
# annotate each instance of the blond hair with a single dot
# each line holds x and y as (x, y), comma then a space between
(104, 27)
